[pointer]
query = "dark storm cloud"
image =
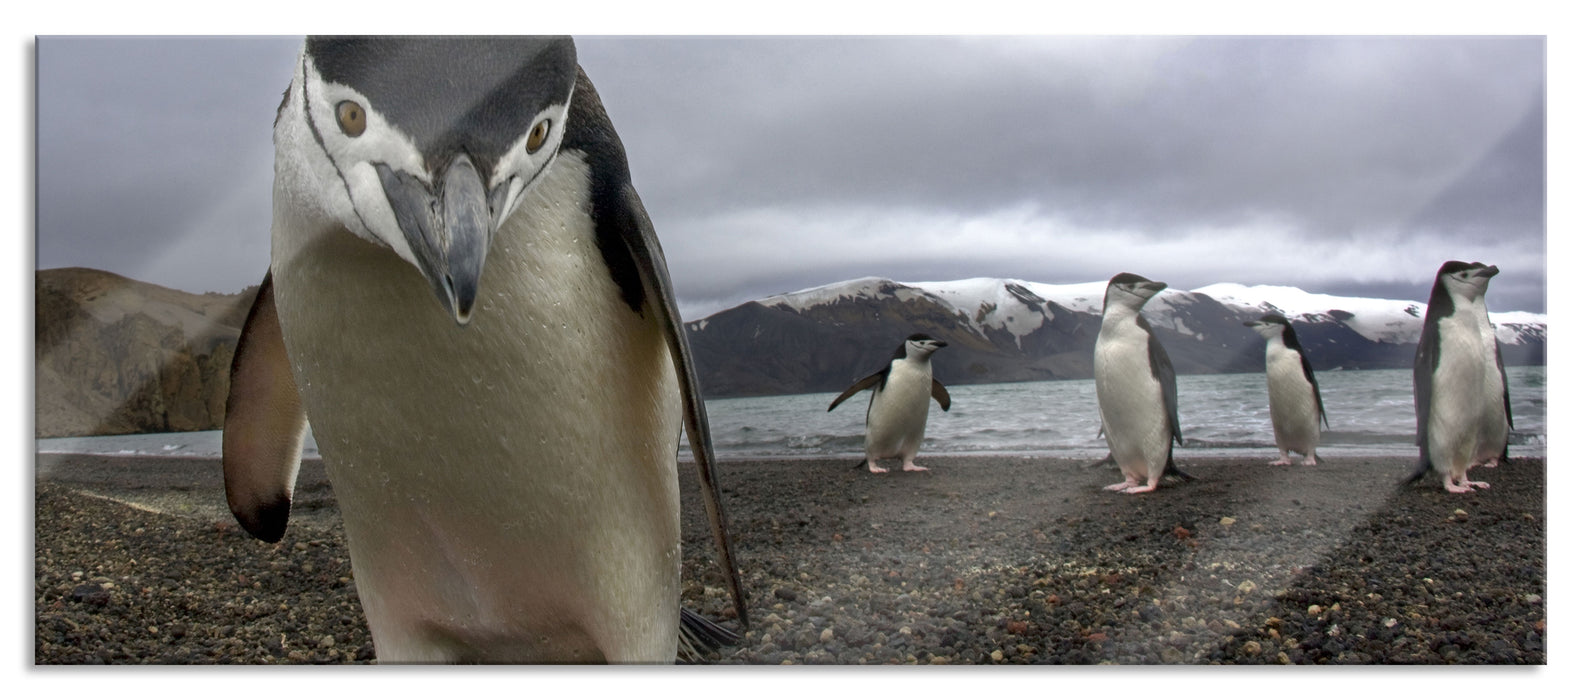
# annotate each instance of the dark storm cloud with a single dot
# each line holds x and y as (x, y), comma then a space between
(775, 163)
(1320, 144)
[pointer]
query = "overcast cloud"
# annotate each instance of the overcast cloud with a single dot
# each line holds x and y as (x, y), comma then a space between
(1343, 165)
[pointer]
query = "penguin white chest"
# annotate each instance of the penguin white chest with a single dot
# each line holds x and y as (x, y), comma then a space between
(1131, 399)
(1459, 392)
(508, 481)
(898, 413)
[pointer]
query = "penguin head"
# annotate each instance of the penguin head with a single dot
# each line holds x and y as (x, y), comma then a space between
(1130, 291)
(918, 346)
(424, 145)
(1271, 325)
(1463, 281)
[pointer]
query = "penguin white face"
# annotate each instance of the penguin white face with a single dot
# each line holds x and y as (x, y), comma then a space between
(1271, 326)
(1130, 291)
(427, 145)
(1466, 281)
(919, 346)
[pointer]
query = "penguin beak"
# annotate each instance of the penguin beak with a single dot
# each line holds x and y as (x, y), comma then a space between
(1154, 287)
(1489, 271)
(447, 227)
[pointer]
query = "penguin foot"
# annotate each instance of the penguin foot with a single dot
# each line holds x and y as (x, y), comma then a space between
(1454, 486)
(1281, 462)
(876, 468)
(910, 467)
(1144, 488)
(1476, 484)
(1127, 484)
(1311, 461)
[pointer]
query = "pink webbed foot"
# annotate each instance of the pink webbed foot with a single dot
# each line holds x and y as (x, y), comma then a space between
(1453, 487)
(1311, 460)
(1281, 462)
(875, 468)
(1127, 484)
(1475, 484)
(910, 467)
(1152, 484)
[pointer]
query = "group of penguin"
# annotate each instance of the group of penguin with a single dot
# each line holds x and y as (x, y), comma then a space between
(468, 301)
(1460, 391)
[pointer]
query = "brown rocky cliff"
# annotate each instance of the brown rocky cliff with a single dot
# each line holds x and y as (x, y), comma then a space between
(114, 355)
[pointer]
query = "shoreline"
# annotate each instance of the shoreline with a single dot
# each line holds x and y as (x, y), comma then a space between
(981, 560)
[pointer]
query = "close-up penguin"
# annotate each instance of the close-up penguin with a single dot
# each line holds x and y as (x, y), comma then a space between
(898, 407)
(1295, 406)
(1458, 380)
(1136, 388)
(468, 302)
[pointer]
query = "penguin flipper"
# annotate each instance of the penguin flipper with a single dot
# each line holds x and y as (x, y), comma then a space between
(1312, 381)
(861, 384)
(1423, 381)
(261, 444)
(1505, 384)
(637, 233)
(698, 636)
(941, 395)
(1159, 364)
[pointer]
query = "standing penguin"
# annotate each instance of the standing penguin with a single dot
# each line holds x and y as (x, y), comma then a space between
(1295, 406)
(1136, 387)
(898, 407)
(501, 438)
(1458, 380)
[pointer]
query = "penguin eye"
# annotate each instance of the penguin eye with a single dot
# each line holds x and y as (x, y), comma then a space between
(536, 137)
(352, 118)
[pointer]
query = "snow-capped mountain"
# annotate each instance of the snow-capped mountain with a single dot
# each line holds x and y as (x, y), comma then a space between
(820, 339)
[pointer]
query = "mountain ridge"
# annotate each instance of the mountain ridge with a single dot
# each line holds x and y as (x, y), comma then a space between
(113, 355)
(1003, 329)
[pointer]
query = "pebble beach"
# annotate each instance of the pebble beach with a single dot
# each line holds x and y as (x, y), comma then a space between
(981, 560)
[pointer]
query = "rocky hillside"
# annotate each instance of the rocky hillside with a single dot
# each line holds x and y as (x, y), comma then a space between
(821, 339)
(114, 355)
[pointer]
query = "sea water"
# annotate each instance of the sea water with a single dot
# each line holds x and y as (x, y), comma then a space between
(1370, 414)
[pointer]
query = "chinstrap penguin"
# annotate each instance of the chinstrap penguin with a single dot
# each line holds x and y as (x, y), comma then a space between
(1295, 406)
(898, 407)
(1136, 388)
(501, 437)
(1458, 380)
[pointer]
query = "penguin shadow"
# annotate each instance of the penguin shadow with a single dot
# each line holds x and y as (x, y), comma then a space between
(1425, 577)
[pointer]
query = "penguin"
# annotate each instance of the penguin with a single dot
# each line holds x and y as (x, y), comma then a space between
(1136, 388)
(467, 300)
(1295, 406)
(898, 407)
(1458, 382)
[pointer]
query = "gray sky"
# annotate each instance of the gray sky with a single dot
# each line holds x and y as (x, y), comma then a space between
(1343, 165)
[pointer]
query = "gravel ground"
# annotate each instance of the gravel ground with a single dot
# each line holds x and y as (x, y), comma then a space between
(983, 560)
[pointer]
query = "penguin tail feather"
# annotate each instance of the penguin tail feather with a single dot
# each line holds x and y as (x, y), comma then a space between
(699, 637)
(1423, 465)
(1171, 470)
